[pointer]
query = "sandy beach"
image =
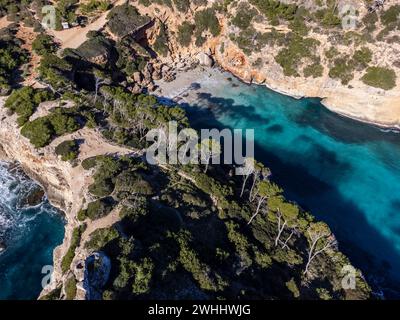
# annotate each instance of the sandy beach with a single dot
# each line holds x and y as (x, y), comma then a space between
(187, 84)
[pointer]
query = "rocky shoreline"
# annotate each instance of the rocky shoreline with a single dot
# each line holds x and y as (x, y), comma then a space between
(65, 186)
(355, 100)
(373, 107)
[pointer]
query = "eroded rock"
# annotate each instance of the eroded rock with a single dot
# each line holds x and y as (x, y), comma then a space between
(205, 59)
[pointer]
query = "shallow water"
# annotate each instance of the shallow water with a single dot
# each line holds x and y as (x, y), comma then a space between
(345, 172)
(30, 234)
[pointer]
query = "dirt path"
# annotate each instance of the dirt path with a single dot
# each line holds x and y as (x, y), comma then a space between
(28, 36)
(101, 223)
(74, 37)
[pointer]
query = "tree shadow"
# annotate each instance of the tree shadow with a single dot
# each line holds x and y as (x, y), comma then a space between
(346, 219)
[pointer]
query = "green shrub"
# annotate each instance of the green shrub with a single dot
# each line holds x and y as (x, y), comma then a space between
(52, 295)
(161, 43)
(70, 288)
(56, 72)
(291, 285)
(331, 53)
(206, 20)
(68, 150)
(75, 241)
(12, 57)
(100, 237)
(182, 5)
(43, 44)
(42, 130)
(380, 77)
(185, 33)
(95, 5)
(276, 10)
(63, 122)
(239, 241)
(370, 21)
(200, 271)
(81, 216)
(99, 208)
(39, 132)
(244, 16)
(24, 102)
(143, 273)
(323, 294)
(362, 57)
(102, 188)
(343, 70)
(288, 256)
(89, 163)
(125, 19)
(297, 49)
(132, 183)
(194, 200)
(314, 70)
(263, 260)
(391, 15)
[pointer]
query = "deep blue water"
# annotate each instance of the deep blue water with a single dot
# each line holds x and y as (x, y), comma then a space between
(344, 172)
(30, 234)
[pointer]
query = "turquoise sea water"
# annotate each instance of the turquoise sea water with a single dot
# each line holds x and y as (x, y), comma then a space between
(30, 234)
(344, 172)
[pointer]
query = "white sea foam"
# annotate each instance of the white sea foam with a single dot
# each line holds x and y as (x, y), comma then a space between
(14, 186)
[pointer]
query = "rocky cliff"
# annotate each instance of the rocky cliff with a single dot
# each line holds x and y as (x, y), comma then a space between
(247, 52)
(66, 185)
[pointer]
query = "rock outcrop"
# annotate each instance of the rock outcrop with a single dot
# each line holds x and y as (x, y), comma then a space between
(3, 246)
(205, 59)
(356, 100)
(65, 185)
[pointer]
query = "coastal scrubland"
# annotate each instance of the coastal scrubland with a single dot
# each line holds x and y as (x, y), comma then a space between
(182, 231)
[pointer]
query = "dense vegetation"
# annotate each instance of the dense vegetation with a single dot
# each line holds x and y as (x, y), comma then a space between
(193, 231)
(42, 131)
(68, 150)
(24, 102)
(379, 77)
(183, 242)
(125, 19)
(75, 241)
(12, 57)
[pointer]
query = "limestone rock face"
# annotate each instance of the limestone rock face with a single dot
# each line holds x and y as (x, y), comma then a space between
(137, 76)
(205, 60)
(65, 185)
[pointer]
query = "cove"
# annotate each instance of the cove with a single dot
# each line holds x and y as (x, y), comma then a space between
(344, 172)
(30, 234)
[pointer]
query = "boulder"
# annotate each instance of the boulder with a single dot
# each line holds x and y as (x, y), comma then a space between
(181, 65)
(152, 87)
(147, 75)
(33, 198)
(150, 67)
(165, 69)
(156, 75)
(137, 77)
(169, 77)
(136, 89)
(205, 60)
(3, 246)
